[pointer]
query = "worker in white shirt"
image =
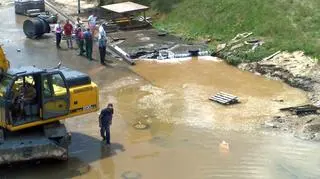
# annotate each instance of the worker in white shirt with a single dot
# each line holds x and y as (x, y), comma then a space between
(102, 40)
(58, 30)
(92, 23)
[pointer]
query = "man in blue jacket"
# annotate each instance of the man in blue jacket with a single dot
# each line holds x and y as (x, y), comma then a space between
(105, 120)
(88, 43)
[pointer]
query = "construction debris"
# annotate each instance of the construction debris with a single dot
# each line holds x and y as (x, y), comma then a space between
(273, 55)
(235, 50)
(239, 37)
(224, 98)
(302, 110)
(117, 50)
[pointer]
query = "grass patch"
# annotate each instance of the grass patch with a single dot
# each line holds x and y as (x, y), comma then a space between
(285, 24)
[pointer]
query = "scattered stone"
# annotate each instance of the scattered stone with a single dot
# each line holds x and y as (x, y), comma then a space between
(161, 34)
(140, 126)
(221, 47)
(207, 41)
(278, 119)
(278, 100)
(224, 147)
(131, 175)
(270, 124)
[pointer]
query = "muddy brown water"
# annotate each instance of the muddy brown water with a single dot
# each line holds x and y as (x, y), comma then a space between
(185, 128)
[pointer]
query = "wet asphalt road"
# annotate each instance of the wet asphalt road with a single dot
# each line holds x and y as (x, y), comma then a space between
(185, 130)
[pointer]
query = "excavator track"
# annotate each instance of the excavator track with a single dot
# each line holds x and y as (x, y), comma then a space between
(51, 143)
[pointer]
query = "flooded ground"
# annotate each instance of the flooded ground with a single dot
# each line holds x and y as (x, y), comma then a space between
(185, 128)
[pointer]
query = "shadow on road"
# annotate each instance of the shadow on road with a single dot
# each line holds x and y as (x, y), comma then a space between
(83, 151)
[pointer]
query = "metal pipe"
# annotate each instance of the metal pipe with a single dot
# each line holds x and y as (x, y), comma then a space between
(78, 6)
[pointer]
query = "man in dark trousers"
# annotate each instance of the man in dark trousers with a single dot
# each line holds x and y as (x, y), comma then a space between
(58, 30)
(67, 28)
(79, 39)
(88, 42)
(102, 40)
(105, 120)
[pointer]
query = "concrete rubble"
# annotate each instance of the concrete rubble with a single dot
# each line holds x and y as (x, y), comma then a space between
(297, 70)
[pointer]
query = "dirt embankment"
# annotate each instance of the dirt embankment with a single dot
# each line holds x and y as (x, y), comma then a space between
(299, 71)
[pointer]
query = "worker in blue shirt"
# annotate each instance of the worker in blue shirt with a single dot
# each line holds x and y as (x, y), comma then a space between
(88, 43)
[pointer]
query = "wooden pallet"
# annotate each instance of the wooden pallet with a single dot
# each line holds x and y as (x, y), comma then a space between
(224, 98)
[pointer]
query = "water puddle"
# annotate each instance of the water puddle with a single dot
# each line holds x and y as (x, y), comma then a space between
(185, 129)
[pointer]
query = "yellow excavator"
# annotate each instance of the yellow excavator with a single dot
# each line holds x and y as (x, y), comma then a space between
(33, 103)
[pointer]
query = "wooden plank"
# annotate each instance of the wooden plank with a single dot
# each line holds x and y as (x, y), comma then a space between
(224, 101)
(223, 97)
(226, 94)
(227, 97)
(299, 107)
(121, 53)
(220, 99)
(271, 56)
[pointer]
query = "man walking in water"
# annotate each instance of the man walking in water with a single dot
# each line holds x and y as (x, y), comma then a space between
(105, 120)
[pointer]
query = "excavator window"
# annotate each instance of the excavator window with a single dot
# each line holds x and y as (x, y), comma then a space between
(47, 91)
(54, 86)
(55, 94)
(59, 88)
(4, 85)
(24, 99)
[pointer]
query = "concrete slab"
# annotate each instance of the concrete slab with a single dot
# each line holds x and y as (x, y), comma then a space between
(125, 7)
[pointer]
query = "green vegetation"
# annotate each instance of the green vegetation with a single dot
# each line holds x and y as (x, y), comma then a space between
(283, 24)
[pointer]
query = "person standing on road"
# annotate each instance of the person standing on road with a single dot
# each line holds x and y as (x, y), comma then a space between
(102, 40)
(58, 31)
(67, 28)
(79, 39)
(88, 41)
(105, 121)
(92, 19)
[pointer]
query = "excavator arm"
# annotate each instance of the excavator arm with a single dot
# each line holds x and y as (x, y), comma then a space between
(4, 63)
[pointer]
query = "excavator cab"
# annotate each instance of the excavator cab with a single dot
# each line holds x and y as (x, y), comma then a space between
(33, 102)
(33, 95)
(30, 96)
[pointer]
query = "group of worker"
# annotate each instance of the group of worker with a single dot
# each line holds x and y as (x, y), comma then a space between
(84, 37)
